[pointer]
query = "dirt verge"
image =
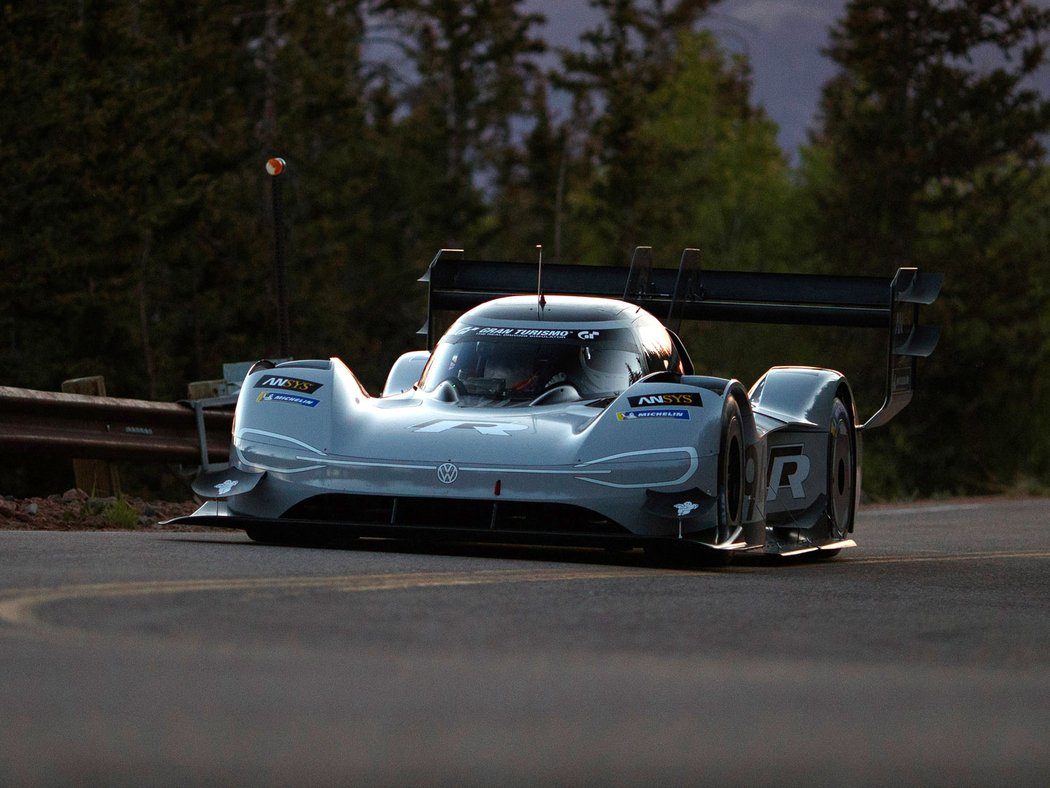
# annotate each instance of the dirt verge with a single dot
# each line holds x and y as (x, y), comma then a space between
(75, 510)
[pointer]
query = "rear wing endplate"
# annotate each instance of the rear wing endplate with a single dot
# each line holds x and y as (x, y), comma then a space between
(691, 293)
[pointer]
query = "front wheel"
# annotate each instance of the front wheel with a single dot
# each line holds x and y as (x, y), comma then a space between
(731, 456)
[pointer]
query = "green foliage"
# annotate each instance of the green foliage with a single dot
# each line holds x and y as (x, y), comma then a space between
(714, 177)
(928, 158)
(121, 514)
(115, 512)
(627, 56)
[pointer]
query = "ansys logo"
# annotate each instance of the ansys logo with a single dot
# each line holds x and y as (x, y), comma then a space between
(288, 384)
(655, 400)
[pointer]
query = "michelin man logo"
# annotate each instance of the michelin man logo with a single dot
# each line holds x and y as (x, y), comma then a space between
(684, 509)
(225, 487)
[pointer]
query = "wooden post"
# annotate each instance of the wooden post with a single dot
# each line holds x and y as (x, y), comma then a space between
(97, 478)
(205, 389)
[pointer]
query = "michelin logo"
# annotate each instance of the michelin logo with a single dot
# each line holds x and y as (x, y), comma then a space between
(295, 399)
(654, 413)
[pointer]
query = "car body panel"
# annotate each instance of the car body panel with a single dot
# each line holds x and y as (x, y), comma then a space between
(552, 419)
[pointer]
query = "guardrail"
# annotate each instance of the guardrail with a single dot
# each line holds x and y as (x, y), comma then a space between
(112, 428)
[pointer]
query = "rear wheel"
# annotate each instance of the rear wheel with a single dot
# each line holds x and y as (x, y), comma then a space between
(842, 470)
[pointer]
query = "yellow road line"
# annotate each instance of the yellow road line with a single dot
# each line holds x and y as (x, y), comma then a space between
(16, 607)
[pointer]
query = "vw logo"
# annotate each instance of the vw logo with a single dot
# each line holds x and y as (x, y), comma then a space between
(447, 473)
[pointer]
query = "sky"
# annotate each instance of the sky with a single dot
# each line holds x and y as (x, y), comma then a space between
(782, 38)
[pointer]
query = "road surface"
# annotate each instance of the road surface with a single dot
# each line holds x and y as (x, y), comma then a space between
(920, 657)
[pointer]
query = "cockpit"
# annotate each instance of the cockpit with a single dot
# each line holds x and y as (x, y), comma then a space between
(519, 364)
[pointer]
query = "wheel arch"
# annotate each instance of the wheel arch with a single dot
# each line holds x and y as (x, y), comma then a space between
(801, 405)
(802, 395)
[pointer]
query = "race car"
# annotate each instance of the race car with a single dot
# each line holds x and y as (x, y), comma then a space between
(558, 408)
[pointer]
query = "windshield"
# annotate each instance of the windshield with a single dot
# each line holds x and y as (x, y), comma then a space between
(518, 364)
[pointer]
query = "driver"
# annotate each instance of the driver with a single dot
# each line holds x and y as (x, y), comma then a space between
(526, 379)
(605, 369)
(515, 376)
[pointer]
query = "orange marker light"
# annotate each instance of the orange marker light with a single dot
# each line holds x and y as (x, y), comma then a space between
(275, 166)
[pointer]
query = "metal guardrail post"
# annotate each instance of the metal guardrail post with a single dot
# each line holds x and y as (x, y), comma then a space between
(199, 409)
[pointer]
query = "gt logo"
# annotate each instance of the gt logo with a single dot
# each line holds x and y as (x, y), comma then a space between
(503, 428)
(788, 467)
(588, 334)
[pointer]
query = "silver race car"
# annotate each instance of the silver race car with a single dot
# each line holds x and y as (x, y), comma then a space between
(572, 415)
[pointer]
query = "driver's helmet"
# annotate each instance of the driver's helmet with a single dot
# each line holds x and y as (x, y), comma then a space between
(605, 369)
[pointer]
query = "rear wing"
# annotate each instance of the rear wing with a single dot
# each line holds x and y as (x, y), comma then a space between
(691, 293)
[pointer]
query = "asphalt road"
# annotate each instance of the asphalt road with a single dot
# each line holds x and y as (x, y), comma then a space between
(921, 658)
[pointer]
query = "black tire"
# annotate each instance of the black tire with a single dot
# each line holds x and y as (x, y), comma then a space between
(842, 470)
(731, 482)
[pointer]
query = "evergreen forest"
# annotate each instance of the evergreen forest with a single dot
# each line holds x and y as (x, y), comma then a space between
(137, 226)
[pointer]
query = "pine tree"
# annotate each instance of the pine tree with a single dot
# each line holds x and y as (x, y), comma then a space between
(930, 148)
(929, 94)
(627, 56)
(473, 65)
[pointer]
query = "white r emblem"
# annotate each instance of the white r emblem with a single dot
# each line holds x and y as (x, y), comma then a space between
(447, 473)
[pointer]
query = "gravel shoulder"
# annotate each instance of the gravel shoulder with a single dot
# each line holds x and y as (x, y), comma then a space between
(75, 510)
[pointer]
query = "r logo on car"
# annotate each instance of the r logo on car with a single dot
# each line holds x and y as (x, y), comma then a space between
(788, 467)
